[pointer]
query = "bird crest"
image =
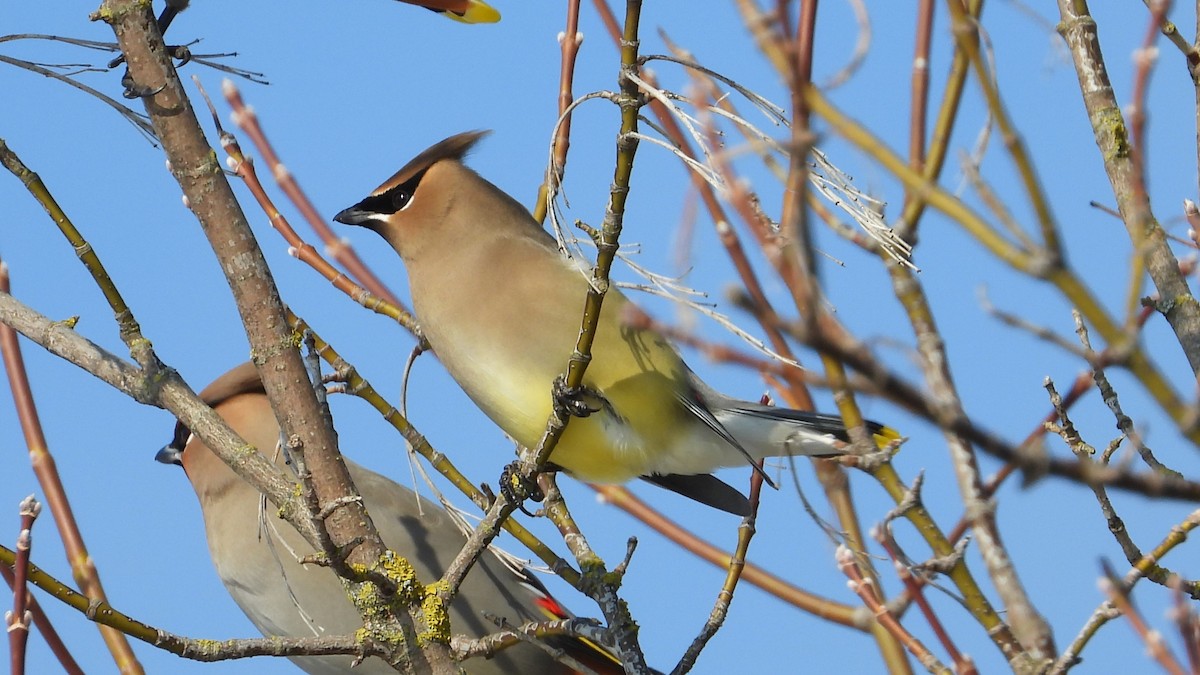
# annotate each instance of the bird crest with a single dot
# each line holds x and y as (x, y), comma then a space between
(456, 147)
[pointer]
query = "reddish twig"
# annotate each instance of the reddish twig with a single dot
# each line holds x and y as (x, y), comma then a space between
(45, 469)
(18, 620)
(45, 628)
(963, 665)
(1189, 628)
(1144, 59)
(865, 588)
(569, 42)
(1119, 596)
(338, 248)
(825, 608)
(919, 104)
(243, 167)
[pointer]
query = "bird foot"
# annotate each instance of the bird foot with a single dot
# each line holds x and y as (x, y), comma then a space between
(133, 90)
(516, 488)
(181, 53)
(576, 401)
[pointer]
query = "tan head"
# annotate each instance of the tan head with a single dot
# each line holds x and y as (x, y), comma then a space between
(436, 199)
(238, 397)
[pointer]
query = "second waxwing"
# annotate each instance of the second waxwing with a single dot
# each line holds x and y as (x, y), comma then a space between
(256, 553)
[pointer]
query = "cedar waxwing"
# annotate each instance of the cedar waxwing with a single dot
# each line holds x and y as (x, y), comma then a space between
(466, 11)
(255, 552)
(501, 307)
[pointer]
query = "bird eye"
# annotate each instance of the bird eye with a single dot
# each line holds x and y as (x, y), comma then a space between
(400, 200)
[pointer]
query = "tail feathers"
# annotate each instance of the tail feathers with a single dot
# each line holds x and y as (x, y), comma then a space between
(883, 435)
(596, 658)
(801, 431)
(706, 489)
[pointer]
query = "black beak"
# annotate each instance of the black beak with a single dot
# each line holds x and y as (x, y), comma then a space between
(355, 215)
(169, 454)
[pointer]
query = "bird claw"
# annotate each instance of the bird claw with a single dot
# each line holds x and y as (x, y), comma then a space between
(181, 54)
(574, 401)
(516, 488)
(133, 90)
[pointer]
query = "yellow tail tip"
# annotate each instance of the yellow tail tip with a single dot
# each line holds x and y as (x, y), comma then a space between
(477, 12)
(884, 436)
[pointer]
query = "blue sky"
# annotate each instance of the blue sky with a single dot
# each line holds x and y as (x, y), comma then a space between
(359, 88)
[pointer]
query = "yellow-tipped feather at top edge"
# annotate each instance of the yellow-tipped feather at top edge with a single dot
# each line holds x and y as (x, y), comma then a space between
(476, 12)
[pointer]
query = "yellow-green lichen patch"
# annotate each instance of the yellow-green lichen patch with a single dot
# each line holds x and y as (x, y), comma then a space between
(398, 570)
(1110, 124)
(374, 608)
(208, 646)
(594, 574)
(591, 564)
(434, 616)
(289, 508)
(613, 579)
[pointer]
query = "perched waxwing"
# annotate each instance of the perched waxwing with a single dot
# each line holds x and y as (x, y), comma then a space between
(256, 553)
(466, 11)
(501, 307)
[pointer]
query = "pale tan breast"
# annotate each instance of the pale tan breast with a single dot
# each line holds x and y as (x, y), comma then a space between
(501, 318)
